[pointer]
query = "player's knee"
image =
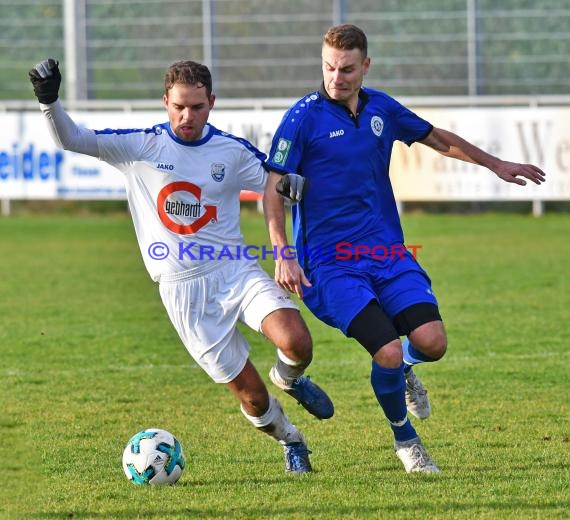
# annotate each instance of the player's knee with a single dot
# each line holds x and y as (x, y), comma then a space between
(430, 340)
(297, 343)
(390, 355)
(301, 348)
(440, 347)
(436, 346)
(289, 333)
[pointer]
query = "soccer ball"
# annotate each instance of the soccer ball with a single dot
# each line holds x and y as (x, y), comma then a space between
(154, 457)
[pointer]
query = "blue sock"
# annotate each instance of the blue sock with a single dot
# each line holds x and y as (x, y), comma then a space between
(390, 389)
(412, 356)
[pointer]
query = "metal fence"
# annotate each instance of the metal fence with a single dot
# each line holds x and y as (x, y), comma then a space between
(119, 49)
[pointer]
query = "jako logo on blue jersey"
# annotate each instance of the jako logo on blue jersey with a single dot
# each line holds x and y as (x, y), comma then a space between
(336, 133)
(164, 166)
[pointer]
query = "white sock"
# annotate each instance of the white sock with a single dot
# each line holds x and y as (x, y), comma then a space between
(275, 423)
(285, 370)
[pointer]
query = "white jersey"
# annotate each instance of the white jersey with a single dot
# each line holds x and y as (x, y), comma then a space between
(183, 196)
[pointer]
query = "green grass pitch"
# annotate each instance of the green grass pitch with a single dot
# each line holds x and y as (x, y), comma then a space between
(88, 358)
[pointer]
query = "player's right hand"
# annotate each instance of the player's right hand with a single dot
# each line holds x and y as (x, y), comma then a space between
(46, 79)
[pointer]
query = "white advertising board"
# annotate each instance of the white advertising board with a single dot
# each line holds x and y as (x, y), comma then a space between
(32, 167)
(540, 136)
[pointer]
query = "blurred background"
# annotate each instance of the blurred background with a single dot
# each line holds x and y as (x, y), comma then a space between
(116, 49)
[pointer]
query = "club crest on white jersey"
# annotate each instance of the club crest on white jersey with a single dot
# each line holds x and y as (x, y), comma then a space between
(218, 171)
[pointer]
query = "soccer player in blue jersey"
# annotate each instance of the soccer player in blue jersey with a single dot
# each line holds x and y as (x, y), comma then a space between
(353, 271)
(205, 298)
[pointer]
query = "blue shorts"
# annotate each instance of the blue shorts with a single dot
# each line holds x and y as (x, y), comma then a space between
(341, 290)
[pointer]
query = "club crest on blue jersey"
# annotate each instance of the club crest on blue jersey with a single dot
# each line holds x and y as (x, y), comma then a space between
(218, 171)
(377, 125)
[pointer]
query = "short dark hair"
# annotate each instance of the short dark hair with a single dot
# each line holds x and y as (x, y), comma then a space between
(188, 73)
(346, 37)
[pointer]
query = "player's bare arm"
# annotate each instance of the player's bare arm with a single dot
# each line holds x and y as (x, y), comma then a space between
(451, 145)
(288, 273)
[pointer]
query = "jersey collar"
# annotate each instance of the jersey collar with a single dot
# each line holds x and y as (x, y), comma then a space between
(207, 134)
(362, 99)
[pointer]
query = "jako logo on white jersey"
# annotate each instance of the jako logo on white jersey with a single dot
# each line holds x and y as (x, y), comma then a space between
(336, 133)
(164, 166)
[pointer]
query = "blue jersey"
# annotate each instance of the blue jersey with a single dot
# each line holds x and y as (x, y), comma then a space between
(345, 158)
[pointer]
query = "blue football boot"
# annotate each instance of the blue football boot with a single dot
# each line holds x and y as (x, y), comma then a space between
(309, 395)
(297, 458)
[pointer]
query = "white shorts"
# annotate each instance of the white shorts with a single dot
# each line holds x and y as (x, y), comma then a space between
(205, 310)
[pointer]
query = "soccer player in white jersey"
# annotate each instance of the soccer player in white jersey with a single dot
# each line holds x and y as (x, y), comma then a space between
(183, 181)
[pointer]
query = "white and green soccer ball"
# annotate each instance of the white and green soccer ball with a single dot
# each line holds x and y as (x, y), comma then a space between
(153, 457)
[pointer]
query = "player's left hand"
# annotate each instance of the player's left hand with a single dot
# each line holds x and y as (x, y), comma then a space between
(290, 276)
(292, 186)
(510, 172)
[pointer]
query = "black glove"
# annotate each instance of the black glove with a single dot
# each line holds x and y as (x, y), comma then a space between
(292, 186)
(46, 78)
